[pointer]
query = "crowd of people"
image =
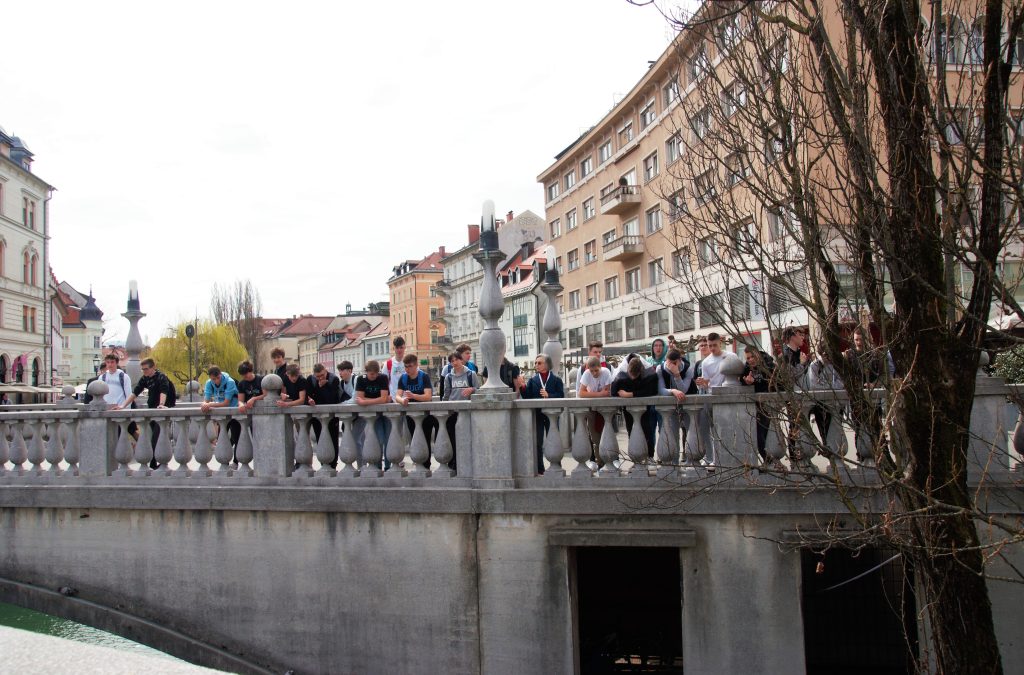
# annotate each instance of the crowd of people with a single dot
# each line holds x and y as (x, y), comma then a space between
(399, 379)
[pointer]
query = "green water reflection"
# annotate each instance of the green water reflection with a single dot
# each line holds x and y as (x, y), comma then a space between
(37, 622)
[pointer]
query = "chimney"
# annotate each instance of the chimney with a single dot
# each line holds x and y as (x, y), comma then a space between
(508, 217)
(474, 233)
(440, 251)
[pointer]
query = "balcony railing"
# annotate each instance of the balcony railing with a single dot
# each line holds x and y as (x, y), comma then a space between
(624, 247)
(620, 199)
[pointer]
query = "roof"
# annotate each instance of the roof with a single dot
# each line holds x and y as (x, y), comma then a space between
(301, 326)
(382, 329)
(527, 279)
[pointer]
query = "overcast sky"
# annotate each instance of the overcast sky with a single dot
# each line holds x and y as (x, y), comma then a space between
(309, 150)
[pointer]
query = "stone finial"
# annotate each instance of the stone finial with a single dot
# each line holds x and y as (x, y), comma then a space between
(67, 391)
(98, 389)
(732, 368)
(272, 386)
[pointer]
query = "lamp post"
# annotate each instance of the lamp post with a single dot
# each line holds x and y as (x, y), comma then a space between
(190, 332)
(492, 339)
(96, 366)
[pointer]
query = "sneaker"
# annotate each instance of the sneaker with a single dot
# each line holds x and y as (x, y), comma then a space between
(617, 463)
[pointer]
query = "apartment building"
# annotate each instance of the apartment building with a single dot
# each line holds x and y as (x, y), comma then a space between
(463, 275)
(416, 309)
(622, 199)
(522, 320)
(25, 331)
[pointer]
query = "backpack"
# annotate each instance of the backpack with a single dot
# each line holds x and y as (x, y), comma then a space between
(404, 381)
(120, 381)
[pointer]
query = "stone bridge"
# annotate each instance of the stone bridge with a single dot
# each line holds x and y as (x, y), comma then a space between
(286, 564)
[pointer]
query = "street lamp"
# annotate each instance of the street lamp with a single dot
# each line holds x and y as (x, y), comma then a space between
(96, 366)
(190, 332)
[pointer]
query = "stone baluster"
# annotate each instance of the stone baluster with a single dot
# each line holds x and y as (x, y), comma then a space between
(835, 438)
(203, 451)
(396, 447)
(698, 436)
(144, 447)
(123, 450)
(54, 447)
(609, 445)
(667, 448)
(5, 448)
(163, 452)
(244, 449)
(1018, 443)
(554, 451)
(182, 446)
(19, 449)
(419, 453)
(326, 453)
(303, 448)
(372, 452)
(775, 444)
(36, 449)
(492, 303)
(987, 450)
(71, 448)
(348, 446)
(806, 442)
(222, 450)
(581, 449)
(636, 446)
(443, 451)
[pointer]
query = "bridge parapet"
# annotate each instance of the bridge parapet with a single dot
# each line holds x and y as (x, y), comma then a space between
(491, 441)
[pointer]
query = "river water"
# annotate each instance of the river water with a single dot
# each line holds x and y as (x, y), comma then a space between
(98, 649)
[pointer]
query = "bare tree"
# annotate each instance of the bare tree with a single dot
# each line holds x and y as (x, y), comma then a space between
(861, 160)
(239, 305)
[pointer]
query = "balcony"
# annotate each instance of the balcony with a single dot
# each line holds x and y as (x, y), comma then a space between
(443, 287)
(625, 247)
(441, 340)
(620, 199)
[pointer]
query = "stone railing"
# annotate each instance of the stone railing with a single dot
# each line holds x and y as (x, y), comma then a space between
(490, 441)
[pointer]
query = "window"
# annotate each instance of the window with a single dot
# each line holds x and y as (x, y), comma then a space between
(433, 313)
(570, 221)
(739, 303)
(699, 124)
(574, 299)
(95, 342)
(734, 97)
(590, 252)
(34, 280)
(626, 133)
(28, 319)
(730, 35)
(785, 292)
(712, 310)
(573, 258)
(677, 206)
(780, 222)
(778, 58)
(774, 145)
(673, 149)
(593, 333)
(633, 280)
(628, 178)
(650, 167)
(698, 64)
(608, 237)
(575, 338)
(957, 126)
(558, 265)
(635, 327)
(588, 209)
(570, 179)
(24, 211)
(647, 115)
(26, 262)
(613, 330)
(592, 297)
(657, 321)
(586, 167)
(681, 263)
(653, 219)
(670, 93)
(553, 191)
(611, 288)
(556, 228)
(736, 168)
(631, 228)
(705, 186)
(604, 153)
(976, 42)
(655, 272)
(707, 251)
(950, 41)
(682, 317)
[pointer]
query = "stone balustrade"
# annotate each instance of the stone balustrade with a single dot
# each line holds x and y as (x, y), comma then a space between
(492, 440)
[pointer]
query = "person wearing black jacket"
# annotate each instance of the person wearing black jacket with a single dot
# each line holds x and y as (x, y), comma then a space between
(161, 394)
(324, 389)
(508, 373)
(637, 383)
(758, 373)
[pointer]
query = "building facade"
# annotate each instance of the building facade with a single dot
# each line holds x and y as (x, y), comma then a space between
(82, 327)
(463, 275)
(520, 278)
(25, 323)
(416, 309)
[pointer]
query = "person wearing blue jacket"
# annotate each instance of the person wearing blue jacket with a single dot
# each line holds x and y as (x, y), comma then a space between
(222, 392)
(543, 384)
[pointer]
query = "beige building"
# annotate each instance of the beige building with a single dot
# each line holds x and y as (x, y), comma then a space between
(416, 309)
(82, 326)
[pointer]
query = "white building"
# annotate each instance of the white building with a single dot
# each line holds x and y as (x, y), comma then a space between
(463, 276)
(25, 329)
(520, 278)
(82, 326)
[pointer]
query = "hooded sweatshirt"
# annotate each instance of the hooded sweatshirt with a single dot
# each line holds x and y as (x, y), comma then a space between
(656, 361)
